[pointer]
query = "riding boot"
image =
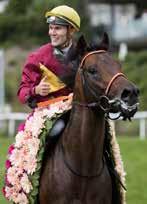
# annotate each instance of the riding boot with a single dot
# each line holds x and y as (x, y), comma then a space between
(57, 128)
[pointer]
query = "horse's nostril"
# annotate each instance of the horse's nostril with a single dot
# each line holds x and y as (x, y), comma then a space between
(137, 92)
(125, 94)
(130, 94)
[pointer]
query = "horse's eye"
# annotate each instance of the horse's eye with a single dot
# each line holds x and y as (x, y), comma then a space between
(92, 70)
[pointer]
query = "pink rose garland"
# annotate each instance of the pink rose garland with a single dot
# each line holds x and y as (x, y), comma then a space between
(23, 154)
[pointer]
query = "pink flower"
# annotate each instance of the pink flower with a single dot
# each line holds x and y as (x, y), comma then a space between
(21, 199)
(7, 164)
(33, 145)
(25, 183)
(7, 183)
(28, 124)
(12, 176)
(30, 115)
(21, 127)
(30, 165)
(37, 125)
(16, 157)
(11, 192)
(27, 135)
(3, 191)
(10, 149)
(19, 139)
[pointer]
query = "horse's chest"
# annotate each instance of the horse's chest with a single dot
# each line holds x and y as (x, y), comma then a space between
(91, 192)
(61, 186)
(84, 191)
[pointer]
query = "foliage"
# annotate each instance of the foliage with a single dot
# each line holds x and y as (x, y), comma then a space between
(18, 30)
(23, 20)
(17, 6)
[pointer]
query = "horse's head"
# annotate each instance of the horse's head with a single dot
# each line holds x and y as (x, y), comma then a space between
(100, 81)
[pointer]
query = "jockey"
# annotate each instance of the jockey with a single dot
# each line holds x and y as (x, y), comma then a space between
(63, 23)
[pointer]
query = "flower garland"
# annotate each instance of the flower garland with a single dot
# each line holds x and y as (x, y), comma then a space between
(23, 165)
(119, 166)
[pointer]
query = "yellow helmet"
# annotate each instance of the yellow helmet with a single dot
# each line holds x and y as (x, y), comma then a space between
(66, 13)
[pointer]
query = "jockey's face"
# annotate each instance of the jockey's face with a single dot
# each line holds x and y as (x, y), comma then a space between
(58, 35)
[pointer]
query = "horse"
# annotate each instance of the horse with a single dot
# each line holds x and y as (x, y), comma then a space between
(77, 172)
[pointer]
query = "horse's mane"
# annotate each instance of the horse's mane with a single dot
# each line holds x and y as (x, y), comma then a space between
(72, 61)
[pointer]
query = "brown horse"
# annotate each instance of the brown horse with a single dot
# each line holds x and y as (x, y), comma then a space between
(77, 171)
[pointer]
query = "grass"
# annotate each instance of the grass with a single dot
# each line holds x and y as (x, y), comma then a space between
(134, 153)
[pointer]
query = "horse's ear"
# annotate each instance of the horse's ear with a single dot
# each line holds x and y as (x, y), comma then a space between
(81, 45)
(104, 44)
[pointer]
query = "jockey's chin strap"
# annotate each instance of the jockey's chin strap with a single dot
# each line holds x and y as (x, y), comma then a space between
(104, 98)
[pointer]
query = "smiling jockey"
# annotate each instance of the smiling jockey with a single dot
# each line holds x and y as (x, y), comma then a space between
(35, 86)
(44, 67)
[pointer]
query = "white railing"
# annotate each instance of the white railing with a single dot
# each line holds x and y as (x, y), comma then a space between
(141, 116)
(13, 117)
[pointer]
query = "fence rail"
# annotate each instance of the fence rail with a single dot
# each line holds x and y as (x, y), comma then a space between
(13, 117)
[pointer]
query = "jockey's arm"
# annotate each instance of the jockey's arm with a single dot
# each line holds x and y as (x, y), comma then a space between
(31, 77)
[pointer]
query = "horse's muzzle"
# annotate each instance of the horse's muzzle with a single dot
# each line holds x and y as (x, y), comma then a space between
(130, 95)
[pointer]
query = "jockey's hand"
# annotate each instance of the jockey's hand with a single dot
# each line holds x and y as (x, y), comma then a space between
(43, 88)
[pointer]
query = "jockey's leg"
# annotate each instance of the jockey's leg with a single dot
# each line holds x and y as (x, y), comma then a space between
(57, 128)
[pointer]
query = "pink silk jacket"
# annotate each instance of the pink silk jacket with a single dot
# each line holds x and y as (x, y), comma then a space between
(31, 74)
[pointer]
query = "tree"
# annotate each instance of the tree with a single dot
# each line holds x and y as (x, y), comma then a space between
(18, 6)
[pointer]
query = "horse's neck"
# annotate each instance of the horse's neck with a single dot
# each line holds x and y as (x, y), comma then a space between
(83, 139)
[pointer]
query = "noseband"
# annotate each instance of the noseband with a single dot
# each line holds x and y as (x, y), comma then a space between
(119, 74)
(113, 78)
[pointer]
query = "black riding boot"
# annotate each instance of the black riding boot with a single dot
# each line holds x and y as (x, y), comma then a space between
(57, 128)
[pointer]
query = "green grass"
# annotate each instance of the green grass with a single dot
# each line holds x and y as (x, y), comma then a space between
(134, 153)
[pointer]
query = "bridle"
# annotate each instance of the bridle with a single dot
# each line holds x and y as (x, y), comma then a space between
(108, 87)
(112, 79)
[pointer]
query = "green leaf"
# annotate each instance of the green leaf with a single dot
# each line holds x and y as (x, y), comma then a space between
(35, 183)
(36, 176)
(48, 124)
(31, 200)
